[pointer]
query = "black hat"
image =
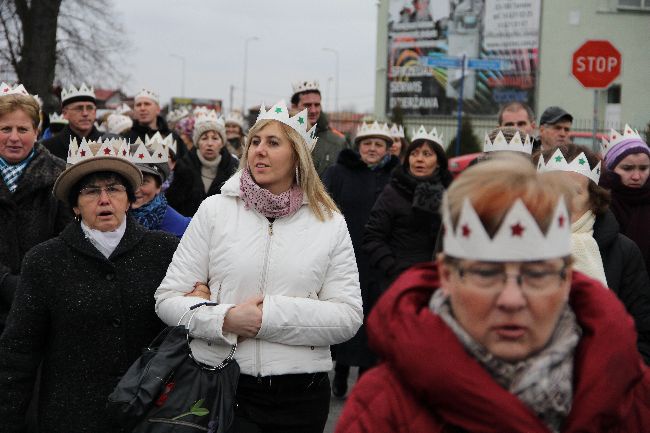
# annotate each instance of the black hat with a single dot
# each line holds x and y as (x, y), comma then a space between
(554, 114)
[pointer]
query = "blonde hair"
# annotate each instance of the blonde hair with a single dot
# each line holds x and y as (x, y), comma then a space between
(493, 186)
(319, 200)
(14, 102)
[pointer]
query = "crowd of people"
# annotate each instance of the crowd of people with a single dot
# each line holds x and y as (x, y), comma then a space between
(515, 297)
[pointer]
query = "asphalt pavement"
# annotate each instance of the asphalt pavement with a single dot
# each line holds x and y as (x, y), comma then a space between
(336, 404)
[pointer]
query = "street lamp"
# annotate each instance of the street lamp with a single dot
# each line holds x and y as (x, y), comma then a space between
(243, 97)
(182, 59)
(336, 53)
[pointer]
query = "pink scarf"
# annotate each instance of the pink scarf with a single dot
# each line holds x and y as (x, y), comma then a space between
(267, 203)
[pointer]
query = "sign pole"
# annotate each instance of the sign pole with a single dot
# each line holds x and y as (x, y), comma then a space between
(595, 146)
(460, 105)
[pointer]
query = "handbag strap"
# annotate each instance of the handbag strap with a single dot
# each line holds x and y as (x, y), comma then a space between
(193, 309)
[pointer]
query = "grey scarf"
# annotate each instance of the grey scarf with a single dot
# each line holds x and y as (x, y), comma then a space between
(544, 381)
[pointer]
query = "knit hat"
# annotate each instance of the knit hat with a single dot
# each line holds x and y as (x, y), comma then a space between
(208, 121)
(621, 145)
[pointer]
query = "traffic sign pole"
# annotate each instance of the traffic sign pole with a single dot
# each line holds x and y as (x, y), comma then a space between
(596, 145)
(460, 105)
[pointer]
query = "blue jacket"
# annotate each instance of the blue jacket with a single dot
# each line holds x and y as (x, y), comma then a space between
(174, 223)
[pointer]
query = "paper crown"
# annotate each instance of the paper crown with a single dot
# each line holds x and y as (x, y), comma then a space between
(123, 109)
(206, 115)
(422, 134)
(280, 112)
(580, 165)
(616, 138)
(144, 93)
(200, 111)
(305, 86)
(519, 237)
(236, 118)
(397, 131)
(118, 123)
(154, 150)
(83, 92)
(515, 145)
(19, 89)
(176, 115)
(58, 118)
(88, 149)
(374, 129)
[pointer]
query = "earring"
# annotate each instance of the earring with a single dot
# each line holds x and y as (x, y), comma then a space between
(297, 176)
(77, 217)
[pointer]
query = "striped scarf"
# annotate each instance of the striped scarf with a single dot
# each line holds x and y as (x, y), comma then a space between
(11, 173)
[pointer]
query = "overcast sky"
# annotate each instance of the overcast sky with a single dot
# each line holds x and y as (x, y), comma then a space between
(210, 35)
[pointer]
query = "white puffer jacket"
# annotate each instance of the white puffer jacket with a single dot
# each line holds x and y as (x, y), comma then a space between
(305, 268)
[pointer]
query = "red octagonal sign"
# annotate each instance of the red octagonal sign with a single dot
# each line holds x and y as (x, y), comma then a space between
(596, 64)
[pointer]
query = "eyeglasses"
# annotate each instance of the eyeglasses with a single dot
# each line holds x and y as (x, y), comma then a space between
(82, 108)
(529, 280)
(95, 191)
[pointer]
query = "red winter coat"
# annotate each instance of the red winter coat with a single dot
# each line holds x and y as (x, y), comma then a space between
(429, 383)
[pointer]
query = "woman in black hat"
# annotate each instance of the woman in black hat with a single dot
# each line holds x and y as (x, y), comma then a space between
(83, 310)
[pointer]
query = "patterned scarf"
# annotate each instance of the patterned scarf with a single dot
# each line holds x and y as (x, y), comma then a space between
(544, 381)
(267, 203)
(11, 173)
(151, 214)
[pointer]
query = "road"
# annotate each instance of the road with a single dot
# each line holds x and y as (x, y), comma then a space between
(336, 404)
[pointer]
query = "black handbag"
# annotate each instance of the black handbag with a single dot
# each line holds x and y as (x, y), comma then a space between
(167, 390)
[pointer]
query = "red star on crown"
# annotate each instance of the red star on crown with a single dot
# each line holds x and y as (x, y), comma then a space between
(107, 151)
(141, 155)
(517, 230)
(82, 153)
(560, 220)
(466, 231)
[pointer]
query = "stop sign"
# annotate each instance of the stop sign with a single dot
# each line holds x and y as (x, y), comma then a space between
(596, 64)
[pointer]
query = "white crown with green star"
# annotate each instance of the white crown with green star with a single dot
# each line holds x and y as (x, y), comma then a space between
(580, 165)
(280, 112)
(422, 134)
(516, 144)
(397, 131)
(519, 238)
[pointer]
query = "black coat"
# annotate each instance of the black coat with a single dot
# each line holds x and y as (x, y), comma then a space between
(58, 144)
(87, 319)
(186, 191)
(399, 235)
(140, 131)
(626, 275)
(355, 188)
(28, 216)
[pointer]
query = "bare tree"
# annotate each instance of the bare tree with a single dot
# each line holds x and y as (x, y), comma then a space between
(68, 41)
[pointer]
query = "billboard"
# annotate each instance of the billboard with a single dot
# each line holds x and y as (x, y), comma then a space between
(190, 103)
(428, 38)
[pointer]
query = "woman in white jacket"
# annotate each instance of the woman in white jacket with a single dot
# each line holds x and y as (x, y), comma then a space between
(277, 257)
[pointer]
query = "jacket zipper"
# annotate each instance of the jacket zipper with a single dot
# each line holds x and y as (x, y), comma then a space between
(258, 357)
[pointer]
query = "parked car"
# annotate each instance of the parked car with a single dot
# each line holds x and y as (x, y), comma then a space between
(459, 163)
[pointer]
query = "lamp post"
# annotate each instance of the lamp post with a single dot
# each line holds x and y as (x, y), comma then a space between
(336, 54)
(182, 59)
(243, 97)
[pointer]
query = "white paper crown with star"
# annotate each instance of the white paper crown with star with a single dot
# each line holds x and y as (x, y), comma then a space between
(178, 114)
(151, 151)
(123, 109)
(89, 149)
(280, 112)
(305, 86)
(83, 92)
(374, 129)
(422, 134)
(58, 118)
(516, 144)
(19, 89)
(519, 238)
(145, 93)
(236, 118)
(118, 123)
(397, 131)
(616, 137)
(580, 165)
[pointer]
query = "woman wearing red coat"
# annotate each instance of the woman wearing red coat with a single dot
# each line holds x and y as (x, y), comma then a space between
(500, 335)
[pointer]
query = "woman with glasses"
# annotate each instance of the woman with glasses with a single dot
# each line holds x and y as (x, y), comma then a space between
(499, 334)
(84, 307)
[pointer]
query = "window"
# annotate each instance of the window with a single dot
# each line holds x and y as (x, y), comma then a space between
(643, 5)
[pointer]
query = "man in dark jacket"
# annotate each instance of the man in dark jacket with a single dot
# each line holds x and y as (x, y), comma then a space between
(306, 95)
(148, 121)
(78, 106)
